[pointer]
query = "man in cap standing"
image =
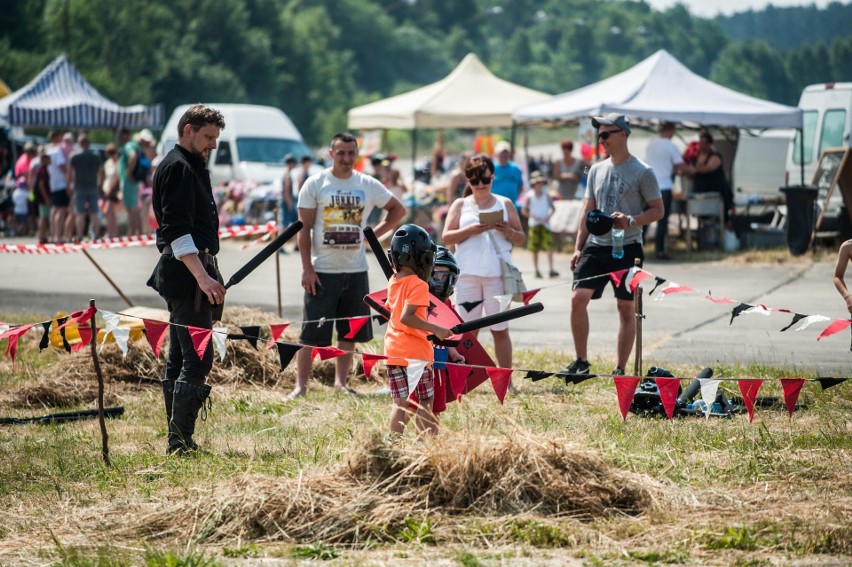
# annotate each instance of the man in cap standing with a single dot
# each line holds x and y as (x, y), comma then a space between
(508, 179)
(625, 188)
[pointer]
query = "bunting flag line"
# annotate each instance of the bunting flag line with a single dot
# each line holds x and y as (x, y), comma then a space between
(658, 281)
(718, 300)
(121, 335)
(672, 288)
(251, 333)
(639, 275)
(45, 336)
(413, 373)
(749, 388)
(326, 353)
(668, 388)
(12, 344)
(60, 326)
(500, 378)
(275, 331)
(355, 324)
(220, 334)
(796, 318)
(85, 338)
(458, 379)
(625, 389)
(737, 311)
(528, 295)
(536, 375)
(617, 276)
(155, 332)
(709, 389)
(286, 352)
(470, 305)
(826, 383)
(835, 327)
(200, 339)
(792, 388)
(810, 320)
(369, 360)
(504, 300)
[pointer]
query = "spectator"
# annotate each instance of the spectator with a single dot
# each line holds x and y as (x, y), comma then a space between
(130, 153)
(481, 276)
(664, 158)
(569, 171)
(334, 205)
(508, 179)
(538, 208)
(709, 175)
(623, 187)
(60, 196)
(86, 178)
(42, 195)
(844, 255)
(111, 190)
(289, 192)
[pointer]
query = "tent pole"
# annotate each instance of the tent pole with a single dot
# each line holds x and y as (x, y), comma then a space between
(512, 135)
(414, 153)
(801, 157)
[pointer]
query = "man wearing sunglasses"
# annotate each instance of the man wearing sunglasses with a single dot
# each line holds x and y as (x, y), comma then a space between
(625, 188)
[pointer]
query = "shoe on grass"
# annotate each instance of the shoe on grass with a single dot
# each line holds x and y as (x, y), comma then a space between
(576, 372)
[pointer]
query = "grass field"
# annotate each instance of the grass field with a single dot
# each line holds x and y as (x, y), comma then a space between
(553, 477)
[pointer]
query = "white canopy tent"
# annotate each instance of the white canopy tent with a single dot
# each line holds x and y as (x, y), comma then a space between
(469, 97)
(661, 88)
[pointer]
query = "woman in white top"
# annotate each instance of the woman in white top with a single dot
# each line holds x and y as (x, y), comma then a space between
(110, 190)
(479, 263)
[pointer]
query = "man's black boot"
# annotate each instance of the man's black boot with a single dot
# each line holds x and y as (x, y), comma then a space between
(188, 400)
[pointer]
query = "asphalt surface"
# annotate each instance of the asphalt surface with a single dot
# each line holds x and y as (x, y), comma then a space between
(682, 329)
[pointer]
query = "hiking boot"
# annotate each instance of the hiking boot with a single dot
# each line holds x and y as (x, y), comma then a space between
(576, 372)
(188, 400)
(617, 371)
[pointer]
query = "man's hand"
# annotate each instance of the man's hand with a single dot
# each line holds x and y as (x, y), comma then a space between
(620, 220)
(310, 281)
(575, 257)
(214, 291)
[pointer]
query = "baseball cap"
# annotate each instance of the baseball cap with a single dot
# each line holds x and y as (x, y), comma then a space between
(537, 177)
(612, 119)
(146, 135)
(598, 222)
(502, 146)
(289, 158)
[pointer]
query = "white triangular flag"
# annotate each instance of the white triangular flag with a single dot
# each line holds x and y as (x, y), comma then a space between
(415, 372)
(219, 336)
(709, 388)
(122, 337)
(504, 300)
(111, 321)
(810, 320)
(758, 309)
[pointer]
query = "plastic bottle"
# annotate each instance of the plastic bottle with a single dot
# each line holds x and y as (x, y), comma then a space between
(618, 243)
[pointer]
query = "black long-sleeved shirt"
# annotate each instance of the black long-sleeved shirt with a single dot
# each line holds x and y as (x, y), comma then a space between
(183, 201)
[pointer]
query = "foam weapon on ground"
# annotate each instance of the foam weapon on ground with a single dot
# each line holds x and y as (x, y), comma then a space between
(267, 251)
(63, 416)
(381, 256)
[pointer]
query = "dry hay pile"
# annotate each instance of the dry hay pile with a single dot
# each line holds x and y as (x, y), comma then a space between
(72, 380)
(382, 485)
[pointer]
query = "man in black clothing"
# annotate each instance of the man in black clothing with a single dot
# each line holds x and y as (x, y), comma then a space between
(186, 275)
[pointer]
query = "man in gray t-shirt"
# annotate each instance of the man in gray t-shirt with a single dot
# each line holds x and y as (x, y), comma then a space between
(86, 175)
(625, 188)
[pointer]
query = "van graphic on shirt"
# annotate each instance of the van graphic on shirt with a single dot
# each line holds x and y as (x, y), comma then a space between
(342, 219)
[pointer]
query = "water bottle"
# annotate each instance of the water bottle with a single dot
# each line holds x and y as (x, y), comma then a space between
(618, 243)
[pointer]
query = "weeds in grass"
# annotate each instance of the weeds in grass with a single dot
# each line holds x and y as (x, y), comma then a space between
(418, 531)
(157, 558)
(316, 551)
(467, 559)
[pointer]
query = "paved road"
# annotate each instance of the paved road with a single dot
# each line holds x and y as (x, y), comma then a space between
(684, 328)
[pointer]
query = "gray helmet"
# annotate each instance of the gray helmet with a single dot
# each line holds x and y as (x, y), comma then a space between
(442, 284)
(412, 247)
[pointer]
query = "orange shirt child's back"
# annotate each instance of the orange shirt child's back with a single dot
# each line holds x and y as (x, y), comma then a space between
(401, 340)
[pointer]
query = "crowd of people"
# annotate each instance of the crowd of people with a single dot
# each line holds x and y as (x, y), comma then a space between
(67, 191)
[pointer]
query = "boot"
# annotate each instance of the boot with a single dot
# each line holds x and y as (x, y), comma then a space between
(168, 394)
(188, 400)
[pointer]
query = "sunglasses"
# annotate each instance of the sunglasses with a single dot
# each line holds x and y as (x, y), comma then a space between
(606, 134)
(475, 180)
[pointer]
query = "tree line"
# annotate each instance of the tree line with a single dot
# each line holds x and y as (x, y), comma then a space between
(315, 59)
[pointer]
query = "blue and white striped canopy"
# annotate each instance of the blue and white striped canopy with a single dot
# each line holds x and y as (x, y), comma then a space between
(59, 97)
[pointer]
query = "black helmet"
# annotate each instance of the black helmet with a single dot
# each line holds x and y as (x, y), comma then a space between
(598, 222)
(412, 247)
(442, 284)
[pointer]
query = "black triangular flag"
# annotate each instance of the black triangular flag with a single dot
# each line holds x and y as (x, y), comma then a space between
(251, 334)
(536, 375)
(286, 352)
(827, 383)
(470, 305)
(379, 319)
(736, 311)
(60, 322)
(659, 281)
(45, 337)
(796, 318)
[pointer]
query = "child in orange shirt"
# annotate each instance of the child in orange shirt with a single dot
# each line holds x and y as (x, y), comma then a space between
(412, 254)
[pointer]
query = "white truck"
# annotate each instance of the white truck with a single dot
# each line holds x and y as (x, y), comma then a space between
(252, 146)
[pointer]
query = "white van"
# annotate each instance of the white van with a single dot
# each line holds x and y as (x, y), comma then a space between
(827, 118)
(250, 148)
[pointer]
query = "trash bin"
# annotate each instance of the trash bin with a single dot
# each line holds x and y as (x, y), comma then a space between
(800, 217)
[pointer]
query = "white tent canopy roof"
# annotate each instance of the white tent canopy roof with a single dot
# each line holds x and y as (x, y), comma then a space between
(59, 97)
(661, 88)
(469, 97)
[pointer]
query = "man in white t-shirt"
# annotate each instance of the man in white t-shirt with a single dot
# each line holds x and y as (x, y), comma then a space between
(60, 196)
(665, 159)
(334, 205)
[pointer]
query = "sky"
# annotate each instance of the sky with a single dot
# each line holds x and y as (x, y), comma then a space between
(710, 8)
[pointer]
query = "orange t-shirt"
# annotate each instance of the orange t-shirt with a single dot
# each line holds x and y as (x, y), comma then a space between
(402, 340)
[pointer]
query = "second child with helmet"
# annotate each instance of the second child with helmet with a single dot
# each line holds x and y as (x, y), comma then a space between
(412, 255)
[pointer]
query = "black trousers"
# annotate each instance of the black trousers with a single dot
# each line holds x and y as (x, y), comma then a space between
(183, 364)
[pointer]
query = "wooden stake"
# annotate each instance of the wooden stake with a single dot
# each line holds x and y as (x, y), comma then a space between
(101, 419)
(637, 308)
(104, 274)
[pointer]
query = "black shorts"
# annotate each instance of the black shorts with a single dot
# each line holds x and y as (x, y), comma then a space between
(597, 260)
(60, 198)
(338, 295)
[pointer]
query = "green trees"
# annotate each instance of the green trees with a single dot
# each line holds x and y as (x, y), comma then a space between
(317, 58)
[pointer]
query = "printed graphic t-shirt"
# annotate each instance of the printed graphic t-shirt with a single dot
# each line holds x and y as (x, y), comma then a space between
(401, 340)
(342, 207)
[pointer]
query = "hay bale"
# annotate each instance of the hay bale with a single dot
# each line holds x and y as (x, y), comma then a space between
(381, 485)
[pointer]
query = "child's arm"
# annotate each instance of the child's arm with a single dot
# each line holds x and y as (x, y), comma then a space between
(843, 258)
(409, 318)
(454, 355)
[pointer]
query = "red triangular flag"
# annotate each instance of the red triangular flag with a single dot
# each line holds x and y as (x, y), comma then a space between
(13, 335)
(749, 388)
(326, 352)
(668, 393)
(528, 295)
(355, 324)
(85, 338)
(200, 339)
(640, 276)
(500, 378)
(676, 288)
(719, 300)
(625, 389)
(155, 332)
(837, 326)
(458, 378)
(792, 387)
(370, 361)
(275, 330)
(617, 277)
(79, 317)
